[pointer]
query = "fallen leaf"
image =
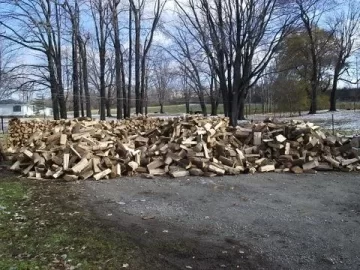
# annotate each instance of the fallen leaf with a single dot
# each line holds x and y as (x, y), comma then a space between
(148, 217)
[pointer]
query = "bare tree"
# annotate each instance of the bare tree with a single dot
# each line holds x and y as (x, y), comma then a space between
(214, 91)
(109, 77)
(74, 14)
(14, 77)
(186, 90)
(137, 10)
(81, 87)
(187, 53)
(158, 9)
(311, 12)
(345, 26)
(240, 38)
(294, 61)
(163, 76)
(36, 25)
(8, 55)
(141, 52)
(100, 13)
(85, 75)
(127, 113)
(110, 74)
(119, 67)
(94, 69)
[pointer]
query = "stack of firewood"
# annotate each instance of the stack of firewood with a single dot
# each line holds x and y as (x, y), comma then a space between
(21, 131)
(83, 148)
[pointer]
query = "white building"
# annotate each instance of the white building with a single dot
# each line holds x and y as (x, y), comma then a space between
(46, 112)
(11, 107)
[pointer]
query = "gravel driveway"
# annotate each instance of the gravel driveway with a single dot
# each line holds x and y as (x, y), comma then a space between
(261, 221)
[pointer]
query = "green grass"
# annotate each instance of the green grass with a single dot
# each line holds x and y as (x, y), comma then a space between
(255, 108)
(341, 132)
(42, 227)
(3, 138)
(10, 194)
(181, 108)
(171, 109)
(348, 105)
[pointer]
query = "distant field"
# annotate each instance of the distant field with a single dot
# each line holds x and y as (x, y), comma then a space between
(255, 108)
(346, 119)
(170, 109)
(181, 108)
(346, 122)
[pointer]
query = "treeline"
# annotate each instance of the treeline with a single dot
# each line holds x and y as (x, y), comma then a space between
(123, 52)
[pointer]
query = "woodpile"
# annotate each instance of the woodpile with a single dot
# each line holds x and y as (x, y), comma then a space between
(83, 148)
(21, 131)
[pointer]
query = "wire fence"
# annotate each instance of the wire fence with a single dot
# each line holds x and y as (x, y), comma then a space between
(4, 124)
(346, 120)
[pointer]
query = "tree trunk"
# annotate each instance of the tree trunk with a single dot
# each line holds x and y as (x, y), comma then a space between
(203, 108)
(146, 93)
(119, 94)
(60, 88)
(126, 104)
(81, 90)
(314, 77)
(234, 110)
(62, 102)
(137, 61)
(213, 94)
(102, 54)
(333, 99)
(243, 88)
(53, 88)
(241, 108)
(128, 112)
(75, 74)
(142, 83)
(202, 103)
(225, 98)
(54, 102)
(214, 107)
(313, 105)
(161, 108)
(108, 103)
(187, 105)
(55, 48)
(333, 92)
(82, 49)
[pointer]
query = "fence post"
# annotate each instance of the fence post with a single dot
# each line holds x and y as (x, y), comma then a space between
(2, 124)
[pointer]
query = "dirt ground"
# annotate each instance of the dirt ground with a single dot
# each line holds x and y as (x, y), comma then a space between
(261, 221)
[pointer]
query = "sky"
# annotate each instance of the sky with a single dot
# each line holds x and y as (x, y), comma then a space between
(168, 18)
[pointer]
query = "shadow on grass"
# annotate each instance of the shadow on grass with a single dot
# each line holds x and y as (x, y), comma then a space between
(42, 226)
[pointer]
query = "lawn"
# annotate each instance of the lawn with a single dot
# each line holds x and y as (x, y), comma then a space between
(250, 109)
(3, 138)
(42, 226)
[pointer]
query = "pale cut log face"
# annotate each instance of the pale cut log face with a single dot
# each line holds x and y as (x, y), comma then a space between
(90, 149)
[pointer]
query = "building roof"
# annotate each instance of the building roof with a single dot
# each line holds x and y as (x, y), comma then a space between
(11, 101)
